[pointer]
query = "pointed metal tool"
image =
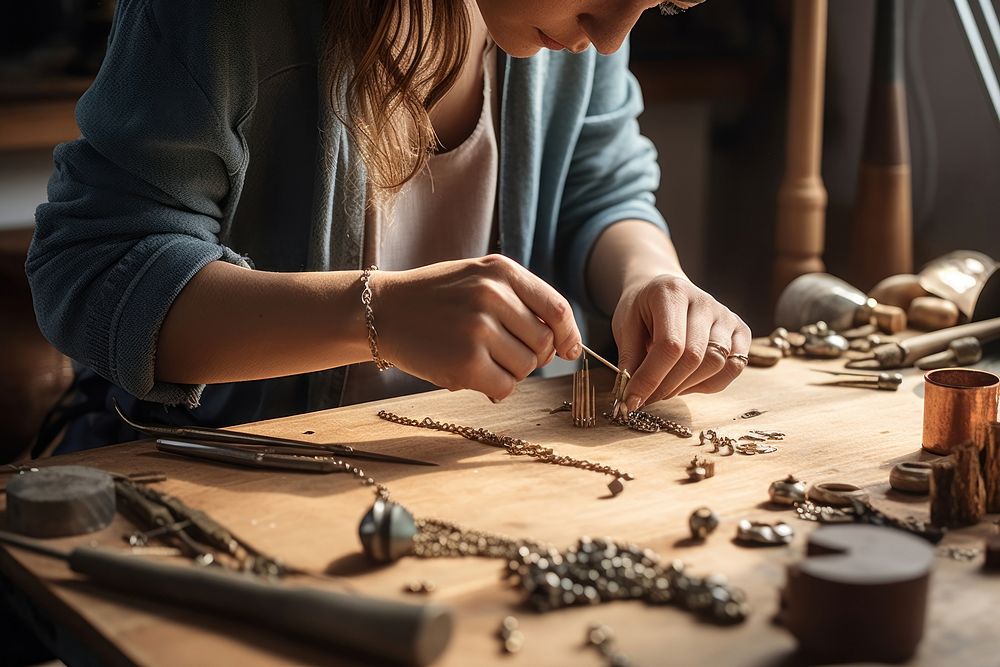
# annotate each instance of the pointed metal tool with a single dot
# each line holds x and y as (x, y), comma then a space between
(882, 381)
(207, 434)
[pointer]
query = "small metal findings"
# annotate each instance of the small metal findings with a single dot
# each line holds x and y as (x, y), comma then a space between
(602, 638)
(770, 435)
(911, 477)
(779, 340)
(753, 447)
(829, 346)
(836, 494)
(964, 554)
(510, 635)
(702, 523)
(759, 532)
(619, 411)
(616, 486)
(787, 491)
(422, 587)
(820, 328)
(810, 511)
(750, 414)
(566, 406)
(700, 469)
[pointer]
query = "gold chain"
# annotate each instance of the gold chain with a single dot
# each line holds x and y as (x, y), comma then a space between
(366, 300)
(514, 446)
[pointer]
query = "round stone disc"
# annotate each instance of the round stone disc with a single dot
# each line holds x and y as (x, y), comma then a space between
(60, 501)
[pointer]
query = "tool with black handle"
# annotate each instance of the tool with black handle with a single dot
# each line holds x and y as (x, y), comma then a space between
(389, 631)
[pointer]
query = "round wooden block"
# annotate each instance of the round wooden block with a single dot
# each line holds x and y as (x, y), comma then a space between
(860, 595)
(60, 501)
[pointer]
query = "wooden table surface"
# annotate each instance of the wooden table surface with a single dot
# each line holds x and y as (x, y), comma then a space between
(851, 435)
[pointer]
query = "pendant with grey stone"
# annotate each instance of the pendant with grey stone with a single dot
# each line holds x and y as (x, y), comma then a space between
(387, 531)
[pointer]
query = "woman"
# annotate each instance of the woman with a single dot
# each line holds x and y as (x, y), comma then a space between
(240, 163)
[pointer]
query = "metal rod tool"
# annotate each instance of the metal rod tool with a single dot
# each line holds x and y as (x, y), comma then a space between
(385, 630)
(883, 381)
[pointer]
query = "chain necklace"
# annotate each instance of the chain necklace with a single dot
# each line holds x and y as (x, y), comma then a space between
(514, 446)
(590, 572)
(645, 422)
(862, 511)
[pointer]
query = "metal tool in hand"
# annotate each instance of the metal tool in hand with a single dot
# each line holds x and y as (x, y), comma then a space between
(203, 434)
(882, 381)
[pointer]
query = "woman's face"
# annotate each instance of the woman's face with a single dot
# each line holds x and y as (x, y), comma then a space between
(523, 27)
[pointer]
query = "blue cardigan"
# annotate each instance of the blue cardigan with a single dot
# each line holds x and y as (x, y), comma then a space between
(207, 135)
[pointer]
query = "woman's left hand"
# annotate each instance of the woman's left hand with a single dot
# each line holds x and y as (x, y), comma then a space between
(675, 338)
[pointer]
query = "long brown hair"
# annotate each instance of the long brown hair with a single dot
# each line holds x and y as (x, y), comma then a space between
(390, 62)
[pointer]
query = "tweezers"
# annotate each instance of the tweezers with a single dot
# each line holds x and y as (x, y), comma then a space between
(205, 434)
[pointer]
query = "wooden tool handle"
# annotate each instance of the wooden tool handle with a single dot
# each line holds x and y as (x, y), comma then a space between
(386, 630)
(936, 341)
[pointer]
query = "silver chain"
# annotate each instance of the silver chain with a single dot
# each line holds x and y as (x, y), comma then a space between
(514, 446)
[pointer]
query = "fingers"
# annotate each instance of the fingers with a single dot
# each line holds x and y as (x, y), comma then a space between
(720, 339)
(733, 366)
(544, 301)
(698, 353)
(632, 341)
(524, 325)
(511, 354)
(668, 343)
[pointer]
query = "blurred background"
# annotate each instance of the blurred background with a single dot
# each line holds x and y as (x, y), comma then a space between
(716, 86)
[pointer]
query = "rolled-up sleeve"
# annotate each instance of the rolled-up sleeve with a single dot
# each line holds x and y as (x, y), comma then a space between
(613, 173)
(135, 208)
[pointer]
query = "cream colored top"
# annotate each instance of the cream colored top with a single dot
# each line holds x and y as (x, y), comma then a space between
(446, 212)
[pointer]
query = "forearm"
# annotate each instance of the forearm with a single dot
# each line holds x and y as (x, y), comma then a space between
(628, 251)
(231, 324)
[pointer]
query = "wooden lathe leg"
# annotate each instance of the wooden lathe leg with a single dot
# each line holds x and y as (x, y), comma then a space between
(802, 197)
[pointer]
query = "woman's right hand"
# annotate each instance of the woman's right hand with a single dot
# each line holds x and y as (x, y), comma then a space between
(483, 324)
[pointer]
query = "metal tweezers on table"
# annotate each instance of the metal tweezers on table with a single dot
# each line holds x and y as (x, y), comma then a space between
(258, 451)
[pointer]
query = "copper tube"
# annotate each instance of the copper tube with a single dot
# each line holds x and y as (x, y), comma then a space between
(958, 404)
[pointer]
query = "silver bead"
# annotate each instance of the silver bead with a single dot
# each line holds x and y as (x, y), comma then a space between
(702, 522)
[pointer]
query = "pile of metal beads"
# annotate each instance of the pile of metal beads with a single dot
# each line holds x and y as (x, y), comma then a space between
(590, 572)
(600, 570)
(816, 341)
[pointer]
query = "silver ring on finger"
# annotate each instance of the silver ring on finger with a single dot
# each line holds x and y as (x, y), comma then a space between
(739, 357)
(719, 347)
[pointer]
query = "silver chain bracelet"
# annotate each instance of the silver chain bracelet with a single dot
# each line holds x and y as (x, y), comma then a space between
(366, 300)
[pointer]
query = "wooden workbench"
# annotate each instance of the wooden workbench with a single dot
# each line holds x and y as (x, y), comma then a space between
(852, 435)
